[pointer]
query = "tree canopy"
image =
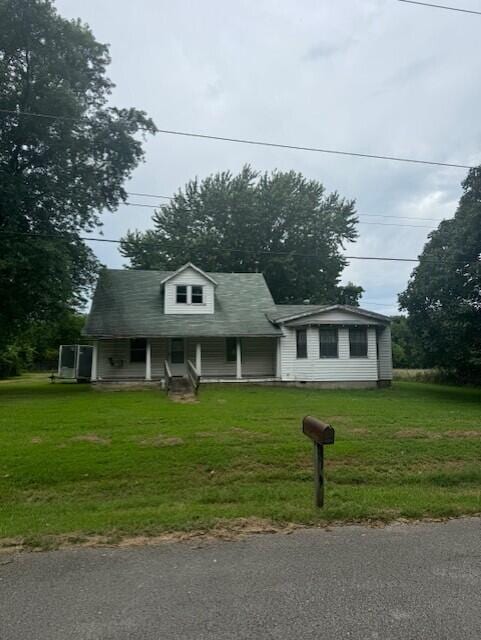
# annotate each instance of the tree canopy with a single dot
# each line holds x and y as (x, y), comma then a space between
(406, 353)
(281, 224)
(56, 173)
(443, 296)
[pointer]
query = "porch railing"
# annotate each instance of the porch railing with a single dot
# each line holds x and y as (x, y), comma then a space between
(193, 375)
(167, 375)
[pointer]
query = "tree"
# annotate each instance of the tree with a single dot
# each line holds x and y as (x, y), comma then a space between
(56, 173)
(349, 294)
(281, 224)
(37, 346)
(443, 296)
(405, 350)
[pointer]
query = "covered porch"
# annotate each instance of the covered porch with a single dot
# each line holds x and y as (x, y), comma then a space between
(216, 359)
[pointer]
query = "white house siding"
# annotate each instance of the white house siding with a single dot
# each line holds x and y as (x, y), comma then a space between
(119, 351)
(385, 353)
(213, 358)
(259, 356)
(338, 369)
(188, 277)
(337, 316)
(159, 354)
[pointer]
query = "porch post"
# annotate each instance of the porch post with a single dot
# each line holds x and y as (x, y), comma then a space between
(238, 359)
(278, 359)
(95, 358)
(148, 360)
(198, 357)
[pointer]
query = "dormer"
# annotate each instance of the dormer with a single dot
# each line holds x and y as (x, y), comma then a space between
(189, 291)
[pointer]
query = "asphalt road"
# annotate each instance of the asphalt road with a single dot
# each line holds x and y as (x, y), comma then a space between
(405, 581)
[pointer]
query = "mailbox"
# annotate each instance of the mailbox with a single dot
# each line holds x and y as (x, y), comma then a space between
(320, 433)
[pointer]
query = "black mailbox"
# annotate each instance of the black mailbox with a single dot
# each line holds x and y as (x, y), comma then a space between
(320, 433)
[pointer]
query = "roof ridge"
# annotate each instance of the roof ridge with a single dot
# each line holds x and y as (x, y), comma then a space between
(221, 273)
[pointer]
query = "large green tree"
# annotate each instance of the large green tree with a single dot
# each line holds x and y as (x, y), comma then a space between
(56, 173)
(443, 296)
(280, 223)
(406, 353)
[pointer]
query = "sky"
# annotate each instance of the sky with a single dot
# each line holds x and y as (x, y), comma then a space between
(370, 76)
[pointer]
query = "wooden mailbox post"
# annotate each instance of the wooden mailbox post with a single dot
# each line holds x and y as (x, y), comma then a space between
(320, 433)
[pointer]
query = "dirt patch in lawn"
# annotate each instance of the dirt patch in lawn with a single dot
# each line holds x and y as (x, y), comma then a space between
(461, 434)
(92, 438)
(160, 441)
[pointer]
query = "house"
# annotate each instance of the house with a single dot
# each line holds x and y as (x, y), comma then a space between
(226, 327)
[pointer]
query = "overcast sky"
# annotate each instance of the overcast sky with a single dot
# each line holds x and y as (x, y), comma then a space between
(375, 76)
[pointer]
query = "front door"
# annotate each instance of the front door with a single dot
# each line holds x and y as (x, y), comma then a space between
(177, 357)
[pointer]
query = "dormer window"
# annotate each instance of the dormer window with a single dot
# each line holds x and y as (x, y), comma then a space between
(189, 291)
(181, 294)
(197, 294)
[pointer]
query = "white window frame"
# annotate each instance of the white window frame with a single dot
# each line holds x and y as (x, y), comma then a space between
(365, 330)
(188, 301)
(304, 330)
(201, 287)
(177, 286)
(335, 329)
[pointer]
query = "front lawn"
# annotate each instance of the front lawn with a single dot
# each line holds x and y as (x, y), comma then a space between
(80, 461)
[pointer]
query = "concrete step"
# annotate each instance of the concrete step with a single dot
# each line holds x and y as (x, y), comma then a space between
(181, 390)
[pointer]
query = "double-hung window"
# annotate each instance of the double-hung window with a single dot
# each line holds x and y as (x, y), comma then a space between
(358, 342)
(189, 294)
(301, 343)
(197, 294)
(181, 294)
(328, 343)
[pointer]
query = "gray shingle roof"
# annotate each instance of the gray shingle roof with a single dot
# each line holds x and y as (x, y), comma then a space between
(128, 303)
(286, 310)
(291, 310)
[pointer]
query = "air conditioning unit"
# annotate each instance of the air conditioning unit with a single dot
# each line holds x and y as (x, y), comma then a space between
(75, 362)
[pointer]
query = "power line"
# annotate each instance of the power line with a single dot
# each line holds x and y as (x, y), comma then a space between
(380, 215)
(384, 224)
(361, 215)
(148, 195)
(276, 145)
(229, 249)
(52, 116)
(140, 204)
(380, 304)
(442, 6)
(393, 224)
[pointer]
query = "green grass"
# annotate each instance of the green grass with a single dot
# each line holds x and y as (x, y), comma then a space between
(80, 461)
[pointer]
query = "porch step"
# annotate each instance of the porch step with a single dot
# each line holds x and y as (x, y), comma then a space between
(181, 390)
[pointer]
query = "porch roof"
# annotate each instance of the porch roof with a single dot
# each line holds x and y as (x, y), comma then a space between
(284, 313)
(128, 303)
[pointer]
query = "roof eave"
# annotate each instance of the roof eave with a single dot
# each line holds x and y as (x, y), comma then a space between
(187, 266)
(323, 309)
